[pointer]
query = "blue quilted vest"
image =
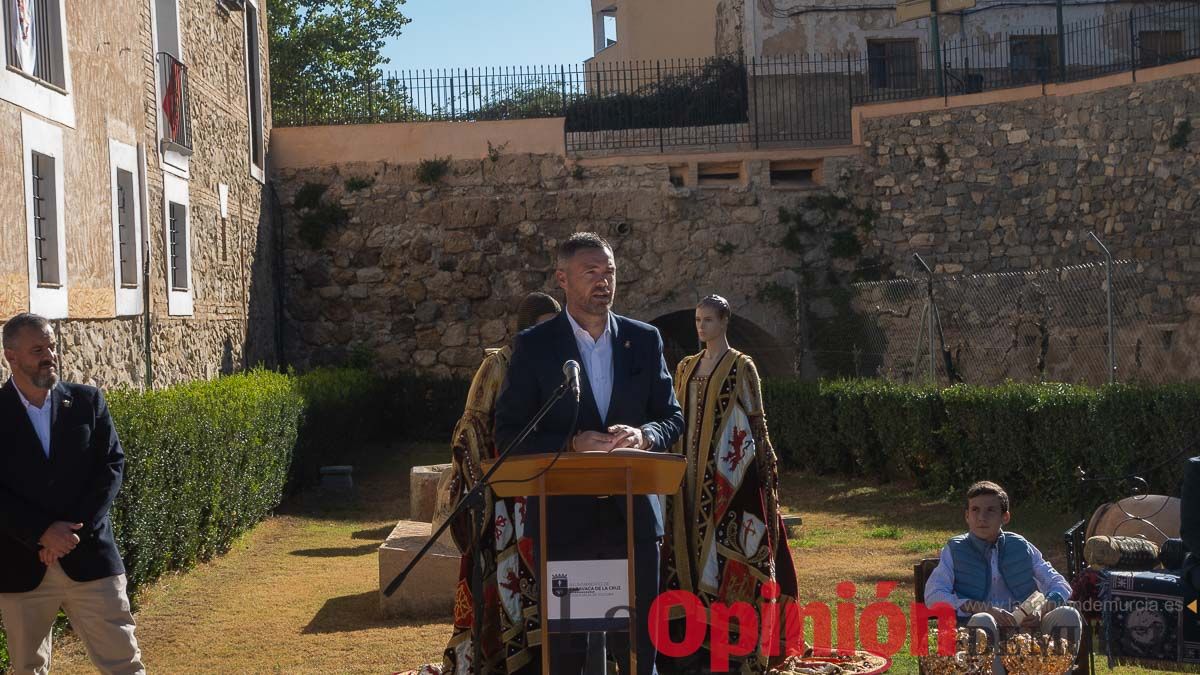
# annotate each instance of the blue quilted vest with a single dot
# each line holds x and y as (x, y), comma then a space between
(973, 575)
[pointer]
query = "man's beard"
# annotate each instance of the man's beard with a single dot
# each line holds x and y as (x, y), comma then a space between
(44, 379)
(597, 306)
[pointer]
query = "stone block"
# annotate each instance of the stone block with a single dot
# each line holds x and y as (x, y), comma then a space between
(429, 589)
(792, 524)
(444, 505)
(423, 482)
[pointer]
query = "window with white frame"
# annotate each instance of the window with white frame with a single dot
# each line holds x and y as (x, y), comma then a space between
(254, 90)
(45, 217)
(35, 71)
(177, 242)
(166, 27)
(172, 87)
(177, 237)
(604, 28)
(34, 40)
(127, 227)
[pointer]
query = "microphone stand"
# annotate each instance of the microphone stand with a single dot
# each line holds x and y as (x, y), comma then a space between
(474, 501)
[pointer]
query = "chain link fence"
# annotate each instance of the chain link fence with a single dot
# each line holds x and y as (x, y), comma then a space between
(1045, 325)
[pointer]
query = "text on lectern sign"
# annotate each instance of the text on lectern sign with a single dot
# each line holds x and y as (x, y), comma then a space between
(592, 590)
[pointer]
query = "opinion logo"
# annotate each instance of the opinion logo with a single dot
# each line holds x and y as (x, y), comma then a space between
(736, 630)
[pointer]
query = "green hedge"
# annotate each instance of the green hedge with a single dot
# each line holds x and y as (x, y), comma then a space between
(347, 408)
(205, 461)
(1029, 438)
(429, 406)
(344, 408)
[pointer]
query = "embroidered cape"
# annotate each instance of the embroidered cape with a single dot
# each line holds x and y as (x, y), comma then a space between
(511, 626)
(725, 535)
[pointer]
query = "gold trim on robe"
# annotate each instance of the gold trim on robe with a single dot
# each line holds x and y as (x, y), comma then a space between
(725, 537)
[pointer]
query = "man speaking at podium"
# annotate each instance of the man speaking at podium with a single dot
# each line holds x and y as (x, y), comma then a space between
(626, 401)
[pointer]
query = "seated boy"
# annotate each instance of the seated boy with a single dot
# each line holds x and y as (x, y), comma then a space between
(987, 573)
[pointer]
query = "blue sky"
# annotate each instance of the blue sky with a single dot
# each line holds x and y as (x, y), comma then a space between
(457, 33)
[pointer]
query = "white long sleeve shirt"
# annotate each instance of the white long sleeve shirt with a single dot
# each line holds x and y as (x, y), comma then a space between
(940, 585)
(39, 417)
(597, 358)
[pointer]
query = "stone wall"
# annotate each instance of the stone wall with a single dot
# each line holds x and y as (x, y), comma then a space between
(1011, 186)
(841, 28)
(1018, 186)
(112, 52)
(233, 262)
(427, 276)
(424, 276)
(731, 19)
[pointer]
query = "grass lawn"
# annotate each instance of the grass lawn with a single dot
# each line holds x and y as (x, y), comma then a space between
(299, 593)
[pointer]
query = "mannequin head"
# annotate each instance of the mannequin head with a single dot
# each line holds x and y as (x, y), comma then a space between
(712, 319)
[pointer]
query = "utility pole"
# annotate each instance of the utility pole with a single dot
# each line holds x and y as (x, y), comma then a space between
(1112, 327)
(929, 291)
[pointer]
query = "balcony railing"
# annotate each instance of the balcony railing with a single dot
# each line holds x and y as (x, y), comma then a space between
(175, 104)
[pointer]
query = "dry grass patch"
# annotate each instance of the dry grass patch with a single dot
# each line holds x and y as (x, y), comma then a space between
(298, 594)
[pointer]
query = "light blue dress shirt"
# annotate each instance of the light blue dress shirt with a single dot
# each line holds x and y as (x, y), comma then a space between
(597, 358)
(940, 586)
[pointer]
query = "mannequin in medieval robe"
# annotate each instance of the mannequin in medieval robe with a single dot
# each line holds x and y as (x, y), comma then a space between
(725, 536)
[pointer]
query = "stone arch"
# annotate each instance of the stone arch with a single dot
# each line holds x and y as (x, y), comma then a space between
(774, 357)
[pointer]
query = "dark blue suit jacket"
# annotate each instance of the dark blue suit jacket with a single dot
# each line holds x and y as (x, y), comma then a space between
(77, 483)
(642, 396)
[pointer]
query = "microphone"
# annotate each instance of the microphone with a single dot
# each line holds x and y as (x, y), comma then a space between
(571, 373)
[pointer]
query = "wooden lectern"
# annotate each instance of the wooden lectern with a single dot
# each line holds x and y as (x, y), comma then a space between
(620, 472)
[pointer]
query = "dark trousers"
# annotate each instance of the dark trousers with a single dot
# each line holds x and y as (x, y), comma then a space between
(568, 651)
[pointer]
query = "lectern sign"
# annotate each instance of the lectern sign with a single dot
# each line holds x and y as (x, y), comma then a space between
(908, 10)
(589, 590)
(578, 596)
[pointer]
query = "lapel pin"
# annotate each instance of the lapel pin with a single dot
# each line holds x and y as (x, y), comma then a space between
(66, 403)
(627, 344)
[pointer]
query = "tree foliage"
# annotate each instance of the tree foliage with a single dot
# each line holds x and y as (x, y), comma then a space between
(323, 50)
